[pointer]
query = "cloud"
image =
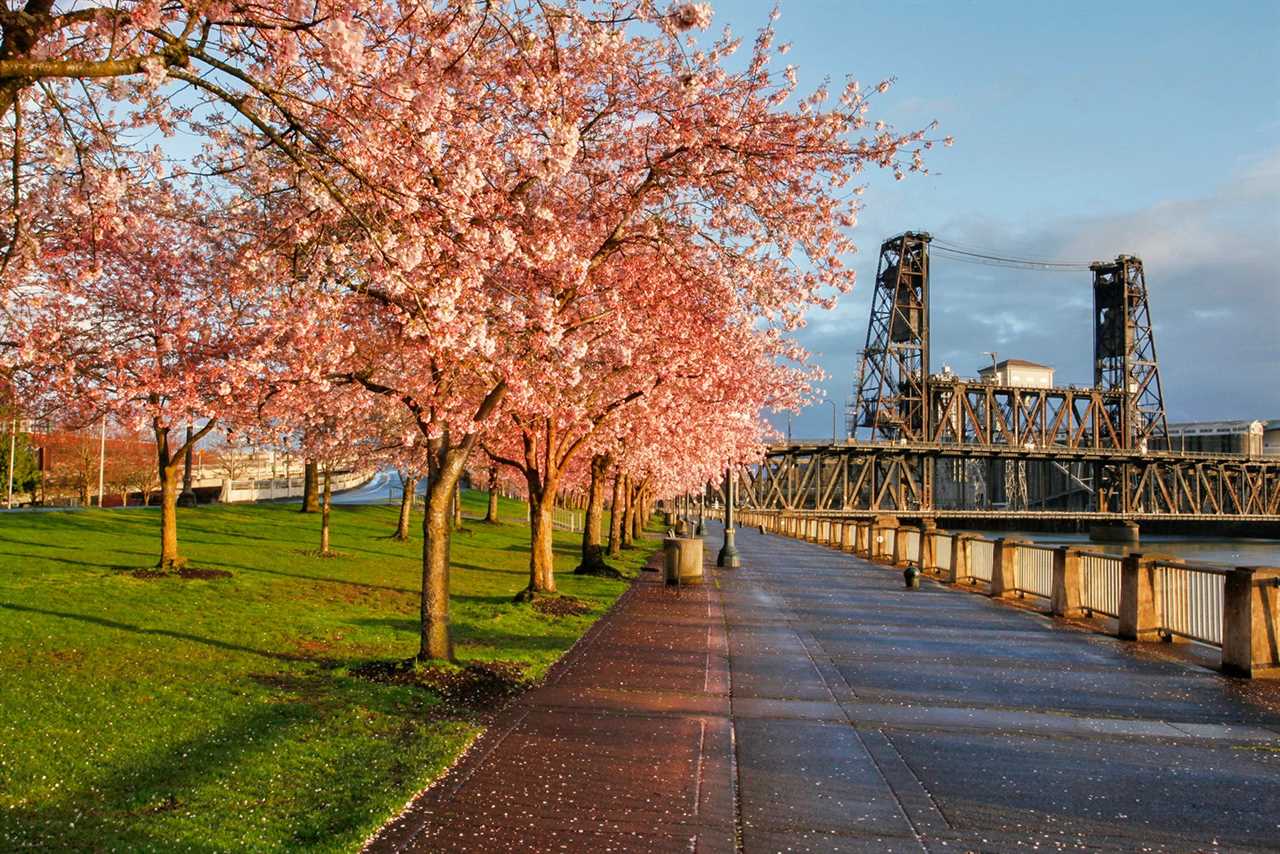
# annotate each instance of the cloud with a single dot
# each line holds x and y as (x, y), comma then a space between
(1213, 286)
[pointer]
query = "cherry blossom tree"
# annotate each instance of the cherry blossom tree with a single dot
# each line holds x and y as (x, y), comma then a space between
(134, 313)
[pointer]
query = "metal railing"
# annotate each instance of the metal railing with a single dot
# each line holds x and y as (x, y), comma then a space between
(942, 544)
(1191, 600)
(1033, 570)
(912, 545)
(981, 559)
(1100, 583)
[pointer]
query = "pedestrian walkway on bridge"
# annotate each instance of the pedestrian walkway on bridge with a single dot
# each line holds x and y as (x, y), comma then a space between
(807, 702)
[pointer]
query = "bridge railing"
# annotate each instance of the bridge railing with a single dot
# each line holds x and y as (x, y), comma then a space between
(1145, 597)
(1033, 569)
(1100, 583)
(981, 560)
(1191, 599)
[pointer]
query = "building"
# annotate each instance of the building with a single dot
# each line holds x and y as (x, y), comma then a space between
(1018, 372)
(1223, 437)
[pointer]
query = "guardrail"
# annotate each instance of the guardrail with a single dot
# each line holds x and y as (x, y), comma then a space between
(1146, 597)
(1191, 597)
(1033, 570)
(981, 559)
(1100, 583)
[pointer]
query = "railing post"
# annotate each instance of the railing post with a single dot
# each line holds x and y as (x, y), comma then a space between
(1139, 599)
(1004, 567)
(1065, 601)
(1251, 622)
(862, 546)
(959, 568)
(928, 545)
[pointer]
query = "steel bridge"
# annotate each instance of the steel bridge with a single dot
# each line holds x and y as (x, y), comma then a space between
(944, 447)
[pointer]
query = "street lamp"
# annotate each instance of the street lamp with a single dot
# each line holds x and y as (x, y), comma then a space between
(994, 368)
(833, 420)
(728, 556)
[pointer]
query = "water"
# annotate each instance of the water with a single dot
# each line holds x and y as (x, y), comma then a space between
(1222, 551)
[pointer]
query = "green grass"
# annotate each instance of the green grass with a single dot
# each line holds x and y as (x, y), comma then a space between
(169, 714)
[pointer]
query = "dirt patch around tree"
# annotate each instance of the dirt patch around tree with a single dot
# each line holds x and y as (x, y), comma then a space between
(186, 572)
(561, 606)
(480, 686)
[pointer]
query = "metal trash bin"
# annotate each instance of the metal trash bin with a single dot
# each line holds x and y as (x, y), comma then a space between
(683, 560)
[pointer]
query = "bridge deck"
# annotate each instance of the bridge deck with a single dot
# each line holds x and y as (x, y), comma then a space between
(807, 703)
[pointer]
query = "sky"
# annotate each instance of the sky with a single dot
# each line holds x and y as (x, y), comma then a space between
(1083, 131)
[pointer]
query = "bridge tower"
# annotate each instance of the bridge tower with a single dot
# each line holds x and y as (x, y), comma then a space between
(891, 397)
(1124, 350)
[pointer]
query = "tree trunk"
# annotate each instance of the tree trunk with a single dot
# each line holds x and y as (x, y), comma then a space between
(639, 512)
(592, 548)
(442, 480)
(616, 512)
(310, 487)
(629, 515)
(170, 560)
(457, 505)
(542, 497)
(325, 504)
(491, 515)
(409, 486)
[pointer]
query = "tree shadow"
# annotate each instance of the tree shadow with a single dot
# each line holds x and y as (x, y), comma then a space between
(169, 633)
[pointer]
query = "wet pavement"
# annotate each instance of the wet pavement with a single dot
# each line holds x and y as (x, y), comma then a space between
(806, 702)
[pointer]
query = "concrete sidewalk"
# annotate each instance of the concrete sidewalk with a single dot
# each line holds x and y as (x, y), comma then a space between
(861, 717)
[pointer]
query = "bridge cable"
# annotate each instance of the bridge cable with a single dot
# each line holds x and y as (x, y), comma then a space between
(962, 254)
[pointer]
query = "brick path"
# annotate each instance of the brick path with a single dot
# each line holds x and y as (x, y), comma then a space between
(862, 717)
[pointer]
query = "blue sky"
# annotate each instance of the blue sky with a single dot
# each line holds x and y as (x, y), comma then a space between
(1082, 131)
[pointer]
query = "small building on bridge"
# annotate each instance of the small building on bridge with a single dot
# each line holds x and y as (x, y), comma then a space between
(1227, 437)
(1018, 372)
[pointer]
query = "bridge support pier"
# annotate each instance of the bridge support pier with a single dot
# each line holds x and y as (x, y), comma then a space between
(1115, 532)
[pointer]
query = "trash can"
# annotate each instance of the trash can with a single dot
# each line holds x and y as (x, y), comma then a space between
(683, 563)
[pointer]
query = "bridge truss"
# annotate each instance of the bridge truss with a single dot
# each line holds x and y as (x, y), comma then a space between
(905, 479)
(942, 446)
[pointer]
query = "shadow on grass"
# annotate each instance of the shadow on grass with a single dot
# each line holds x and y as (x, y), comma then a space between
(464, 633)
(127, 806)
(142, 630)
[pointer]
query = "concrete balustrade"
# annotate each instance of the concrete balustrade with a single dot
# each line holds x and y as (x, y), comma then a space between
(1065, 601)
(1250, 625)
(1004, 568)
(1251, 622)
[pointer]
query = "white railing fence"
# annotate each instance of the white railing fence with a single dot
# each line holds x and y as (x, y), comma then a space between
(1100, 583)
(981, 557)
(1191, 600)
(942, 544)
(1033, 570)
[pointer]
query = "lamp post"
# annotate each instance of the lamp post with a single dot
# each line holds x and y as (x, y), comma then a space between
(728, 557)
(102, 456)
(833, 420)
(701, 530)
(994, 368)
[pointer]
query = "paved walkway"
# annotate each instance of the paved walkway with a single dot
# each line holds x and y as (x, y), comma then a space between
(808, 703)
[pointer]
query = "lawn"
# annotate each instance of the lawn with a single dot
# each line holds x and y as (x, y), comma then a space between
(212, 715)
